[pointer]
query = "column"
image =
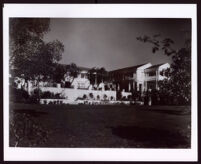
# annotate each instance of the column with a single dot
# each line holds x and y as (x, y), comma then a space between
(129, 87)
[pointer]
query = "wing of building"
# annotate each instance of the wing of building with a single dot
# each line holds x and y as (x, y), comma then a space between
(138, 78)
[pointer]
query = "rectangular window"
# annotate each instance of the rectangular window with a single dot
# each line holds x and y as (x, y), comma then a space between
(151, 74)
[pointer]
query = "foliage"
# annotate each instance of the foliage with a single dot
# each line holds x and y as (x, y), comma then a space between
(124, 98)
(63, 71)
(98, 75)
(84, 97)
(177, 86)
(111, 98)
(58, 73)
(136, 95)
(106, 88)
(105, 97)
(73, 69)
(119, 95)
(30, 56)
(18, 95)
(35, 96)
(91, 95)
(68, 84)
(46, 95)
(130, 97)
(50, 95)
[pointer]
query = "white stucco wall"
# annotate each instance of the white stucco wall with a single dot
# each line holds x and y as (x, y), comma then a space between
(73, 94)
(126, 94)
(140, 75)
(161, 68)
(90, 102)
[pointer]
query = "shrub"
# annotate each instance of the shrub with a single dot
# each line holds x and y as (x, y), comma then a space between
(136, 95)
(124, 98)
(54, 84)
(130, 97)
(91, 95)
(105, 97)
(37, 92)
(51, 95)
(18, 95)
(67, 84)
(46, 95)
(50, 102)
(57, 96)
(45, 102)
(35, 96)
(118, 95)
(106, 87)
(84, 97)
(33, 99)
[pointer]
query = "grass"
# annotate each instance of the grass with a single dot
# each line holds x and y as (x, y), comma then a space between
(99, 126)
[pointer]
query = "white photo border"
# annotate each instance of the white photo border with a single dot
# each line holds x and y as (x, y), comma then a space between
(100, 11)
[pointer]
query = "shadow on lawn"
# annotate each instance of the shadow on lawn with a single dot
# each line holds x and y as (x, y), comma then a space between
(151, 138)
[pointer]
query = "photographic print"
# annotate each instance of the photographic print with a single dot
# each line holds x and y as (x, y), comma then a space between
(100, 83)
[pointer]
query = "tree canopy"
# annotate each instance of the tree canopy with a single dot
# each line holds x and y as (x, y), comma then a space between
(30, 55)
(98, 74)
(178, 84)
(60, 70)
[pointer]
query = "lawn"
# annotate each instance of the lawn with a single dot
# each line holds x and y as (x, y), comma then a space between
(106, 126)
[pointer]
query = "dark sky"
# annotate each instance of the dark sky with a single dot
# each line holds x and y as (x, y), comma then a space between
(111, 42)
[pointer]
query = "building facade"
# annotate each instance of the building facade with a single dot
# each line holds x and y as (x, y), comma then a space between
(126, 81)
(139, 78)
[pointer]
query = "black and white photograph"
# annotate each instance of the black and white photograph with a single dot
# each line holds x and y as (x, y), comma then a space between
(100, 82)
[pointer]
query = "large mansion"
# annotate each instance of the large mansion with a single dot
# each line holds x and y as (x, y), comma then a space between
(136, 78)
(127, 80)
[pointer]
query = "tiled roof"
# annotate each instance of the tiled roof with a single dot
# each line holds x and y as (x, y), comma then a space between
(84, 68)
(155, 66)
(127, 69)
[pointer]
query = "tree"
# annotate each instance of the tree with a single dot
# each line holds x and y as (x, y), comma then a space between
(97, 75)
(177, 86)
(30, 56)
(59, 72)
(26, 32)
(73, 70)
(102, 75)
(93, 76)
